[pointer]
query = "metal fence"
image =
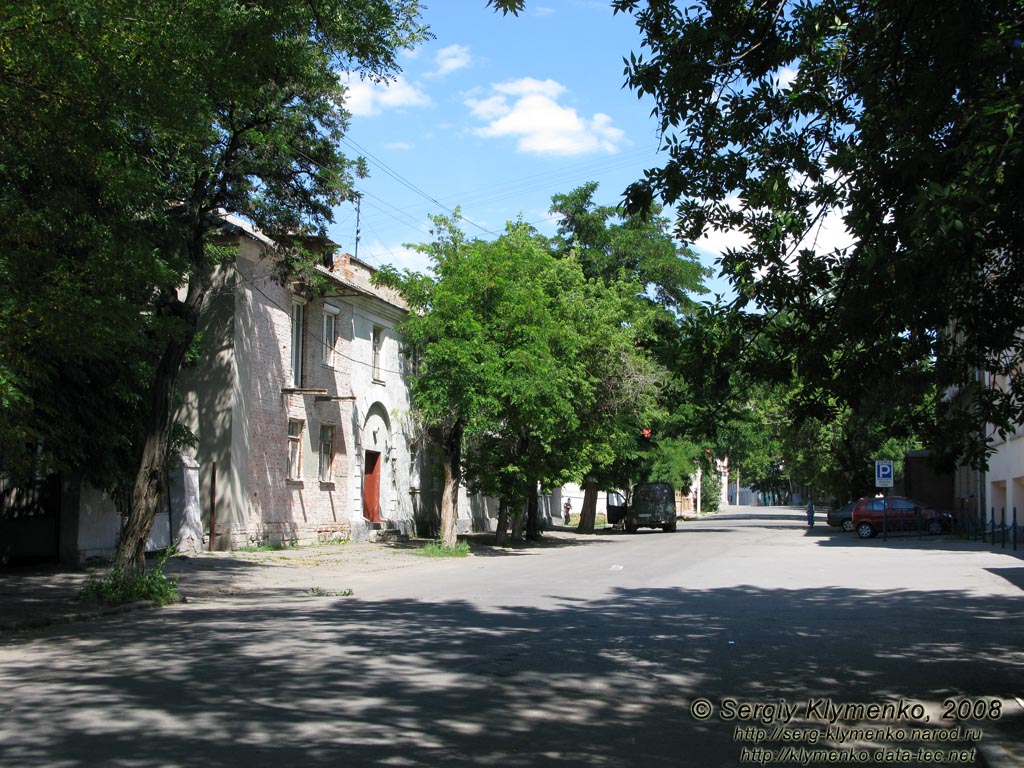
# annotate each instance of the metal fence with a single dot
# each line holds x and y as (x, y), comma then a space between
(1000, 529)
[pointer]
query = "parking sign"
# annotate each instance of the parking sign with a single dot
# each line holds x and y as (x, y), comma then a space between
(883, 473)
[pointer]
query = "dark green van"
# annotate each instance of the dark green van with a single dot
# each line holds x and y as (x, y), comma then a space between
(652, 505)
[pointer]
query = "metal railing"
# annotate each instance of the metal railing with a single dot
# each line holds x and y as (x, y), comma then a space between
(1002, 533)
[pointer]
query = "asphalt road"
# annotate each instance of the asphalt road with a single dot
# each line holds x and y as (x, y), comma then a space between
(597, 651)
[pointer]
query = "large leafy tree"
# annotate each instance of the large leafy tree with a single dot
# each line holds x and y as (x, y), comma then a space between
(656, 277)
(498, 378)
(543, 388)
(526, 371)
(899, 119)
(150, 118)
(638, 249)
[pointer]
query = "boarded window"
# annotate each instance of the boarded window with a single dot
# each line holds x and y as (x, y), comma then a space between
(378, 344)
(294, 449)
(330, 333)
(298, 313)
(326, 454)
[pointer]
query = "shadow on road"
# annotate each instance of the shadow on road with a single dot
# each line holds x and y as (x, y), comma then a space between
(602, 682)
(483, 544)
(1013, 575)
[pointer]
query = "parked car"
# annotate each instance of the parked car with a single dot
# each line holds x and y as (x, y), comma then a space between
(897, 513)
(842, 517)
(653, 505)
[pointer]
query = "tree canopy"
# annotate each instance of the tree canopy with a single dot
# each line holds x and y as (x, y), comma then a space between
(128, 127)
(527, 373)
(894, 126)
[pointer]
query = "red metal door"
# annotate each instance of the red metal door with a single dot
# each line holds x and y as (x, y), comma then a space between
(371, 487)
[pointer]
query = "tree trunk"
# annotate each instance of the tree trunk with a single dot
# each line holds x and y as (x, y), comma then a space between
(451, 461)
(532, 512)
(150, 479)
(588, 512)
(517, 524)
(501, 533)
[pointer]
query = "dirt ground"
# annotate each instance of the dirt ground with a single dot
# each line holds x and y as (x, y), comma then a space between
(41, 595)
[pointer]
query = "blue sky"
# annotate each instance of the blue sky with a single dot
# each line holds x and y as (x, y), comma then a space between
(496, 115)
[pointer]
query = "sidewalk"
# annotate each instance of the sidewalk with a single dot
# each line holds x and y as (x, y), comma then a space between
(32, 597)
(39, 596)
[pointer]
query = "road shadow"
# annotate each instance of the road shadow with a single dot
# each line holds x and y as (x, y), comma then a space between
(602, 682)
(913, 540)
(484, 544)
(1013, 575)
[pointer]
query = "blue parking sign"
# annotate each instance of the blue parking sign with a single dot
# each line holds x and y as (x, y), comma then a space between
(883, 473)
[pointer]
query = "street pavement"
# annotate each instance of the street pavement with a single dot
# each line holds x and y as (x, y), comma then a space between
(744, 638)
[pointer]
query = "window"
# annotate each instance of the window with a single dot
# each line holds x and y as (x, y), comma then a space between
(298, 312)
(378, 343)
(326, 454)
(295, 449)
(330, 333)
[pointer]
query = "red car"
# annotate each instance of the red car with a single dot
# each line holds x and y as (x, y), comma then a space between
(897, 513)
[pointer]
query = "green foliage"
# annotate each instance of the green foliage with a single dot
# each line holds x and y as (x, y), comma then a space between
(674, 461)
(639, 250)
(533, 362)
(507, 6)
(637, 260)
(128, 126)
(118, 588)
(321, 592)
(902, 119)
(710, 492)
(438, 549)
(278, 547)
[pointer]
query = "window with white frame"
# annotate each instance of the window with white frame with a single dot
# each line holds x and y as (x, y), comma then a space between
(326, 454)
(298, 331)
(295, 449)
(330, 333)
(378, 344)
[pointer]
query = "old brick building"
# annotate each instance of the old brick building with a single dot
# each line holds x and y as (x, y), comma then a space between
(299, 402)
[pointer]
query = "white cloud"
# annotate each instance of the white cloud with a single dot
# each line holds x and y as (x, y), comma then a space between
(785, 77)
(364, 98)
(715, 242)
(529, 110)
(378, 253)
(491, 108)
(399, 146)
(529, 86)
(828, 235)
(451, 59)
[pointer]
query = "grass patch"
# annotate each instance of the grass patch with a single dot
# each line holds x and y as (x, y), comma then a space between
(600, 521)
(320, 592)
(292, 544)
(117, 589)
(437, 549)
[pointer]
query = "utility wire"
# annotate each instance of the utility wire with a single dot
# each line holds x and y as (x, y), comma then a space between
(406, 183)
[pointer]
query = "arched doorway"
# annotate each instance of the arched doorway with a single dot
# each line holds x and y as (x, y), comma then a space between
(376, 447)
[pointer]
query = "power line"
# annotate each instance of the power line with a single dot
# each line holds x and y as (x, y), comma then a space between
(406, 183)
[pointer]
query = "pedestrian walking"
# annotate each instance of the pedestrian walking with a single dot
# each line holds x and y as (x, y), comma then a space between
(810, 513)
(566, 510)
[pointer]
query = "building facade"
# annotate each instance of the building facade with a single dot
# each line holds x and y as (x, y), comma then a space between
(299, 403)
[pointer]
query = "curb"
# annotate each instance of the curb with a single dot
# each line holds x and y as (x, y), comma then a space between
(74, 617)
